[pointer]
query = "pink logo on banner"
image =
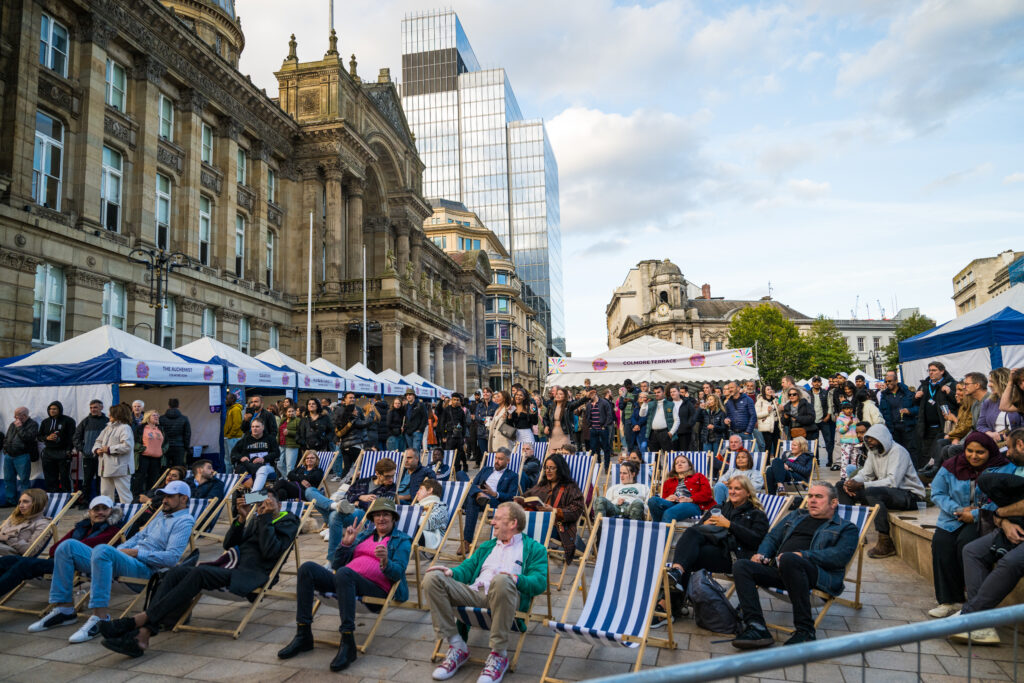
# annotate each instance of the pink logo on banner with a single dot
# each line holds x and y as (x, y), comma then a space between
(207, 373)
(337, 384)
(241, 375)
(284, 379)
(697, 360)
(600, 364)
(142, 370)
(306, 380)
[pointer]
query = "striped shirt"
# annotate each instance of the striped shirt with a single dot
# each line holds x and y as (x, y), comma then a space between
(163, 540)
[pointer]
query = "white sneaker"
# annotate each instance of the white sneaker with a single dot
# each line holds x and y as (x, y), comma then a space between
(983, 636)
(451, 663)
(943, 611)
(334, 478)
(52, 620)
(90, 629)
(326, 535)
(494, 669)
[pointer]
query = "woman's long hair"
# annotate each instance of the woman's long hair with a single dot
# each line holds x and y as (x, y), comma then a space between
(38, 497)
(675, 475)
(748, 486)
(563, 475)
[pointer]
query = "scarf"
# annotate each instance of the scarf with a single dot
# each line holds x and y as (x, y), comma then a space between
(962, 469)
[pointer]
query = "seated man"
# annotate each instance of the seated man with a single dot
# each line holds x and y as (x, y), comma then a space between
(343, 510)
(889, 480)
(203, 482)
(994, 563)
(442, 472)
(809, 549)
(157, 546)
(253, 548)
(503, 575)
(492, 485)
(256, 454)
(531, 469)
(413, 474)
(366, 563)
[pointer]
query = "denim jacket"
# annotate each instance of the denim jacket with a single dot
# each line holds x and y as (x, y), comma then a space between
(399, 547)
(832, 547)
(950, 494)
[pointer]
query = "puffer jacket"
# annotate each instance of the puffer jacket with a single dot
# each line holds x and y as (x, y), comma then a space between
(16, 537)
(61, 425)
(356, 436)
(177, 429)
(315, 435)
(87, 431)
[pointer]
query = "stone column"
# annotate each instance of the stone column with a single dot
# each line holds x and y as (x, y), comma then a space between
(460, 370)
(415, 251)
(190, 319)
(439, 366)
(186, 198)
(336, 243)
(354, 243)
(310, 204)
(391, 355)
(409, 353)
(225, 206)
(402, 230)
(227, 327)
(17, 281)
(424, 365)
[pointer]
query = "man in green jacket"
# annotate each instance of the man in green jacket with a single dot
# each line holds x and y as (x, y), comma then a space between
(503, 575)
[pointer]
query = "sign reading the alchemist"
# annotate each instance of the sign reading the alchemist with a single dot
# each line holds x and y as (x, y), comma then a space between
(707, 359)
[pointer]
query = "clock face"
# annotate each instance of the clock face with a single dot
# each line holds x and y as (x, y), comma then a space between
(663, 309)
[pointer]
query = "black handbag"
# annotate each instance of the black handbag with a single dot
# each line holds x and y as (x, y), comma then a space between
(715, 534)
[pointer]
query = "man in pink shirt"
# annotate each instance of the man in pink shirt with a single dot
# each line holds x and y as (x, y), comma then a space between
(503, 575)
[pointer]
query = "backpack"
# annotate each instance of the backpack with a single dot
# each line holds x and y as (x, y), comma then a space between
(711, 609)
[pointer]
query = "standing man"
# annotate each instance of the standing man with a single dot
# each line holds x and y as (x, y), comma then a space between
(177, 433)
(84, 439)
(57, 433)
(936, 398)
(899, 410)
(822, 406)
(750, 389)
(21, 448)
(415, 420)
(232, 423)
(742, 416)
(602, 418)
(627, 403)
(482, 413)
(660, 418)
(454, 427)
(350, 430)
(684, 415)
(256, 409)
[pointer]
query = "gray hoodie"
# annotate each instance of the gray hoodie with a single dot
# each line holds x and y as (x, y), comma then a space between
(892, 468)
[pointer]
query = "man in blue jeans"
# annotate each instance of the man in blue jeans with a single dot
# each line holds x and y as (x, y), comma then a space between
(602, 417)
(159, 545)
(19, 444)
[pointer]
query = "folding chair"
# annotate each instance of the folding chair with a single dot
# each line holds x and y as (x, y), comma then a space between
(861, 516)
(812, 449)
(260, 593)
(701, 461)
(581, 466)
(653, 458)
(326, 462)
(453, 495)
(231, 482)
(515, 462)
(759, 461)
(57, 505)
(129, 514)
(539, 526)
(645, 476)
(367, 462)
(629, 574)
(449, 460)
(411, 520)
(540, 450)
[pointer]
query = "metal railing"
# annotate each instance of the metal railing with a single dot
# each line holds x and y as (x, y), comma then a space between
(857, 643)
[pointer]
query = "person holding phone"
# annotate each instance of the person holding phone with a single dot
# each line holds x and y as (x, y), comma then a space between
(252, 546)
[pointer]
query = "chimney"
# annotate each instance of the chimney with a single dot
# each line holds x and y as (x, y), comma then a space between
(705, 291)
(384, 76)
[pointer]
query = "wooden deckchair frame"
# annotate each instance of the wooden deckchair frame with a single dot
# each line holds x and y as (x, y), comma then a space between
(260, 593)
(454, 520)
(216, 512)
(645, 638)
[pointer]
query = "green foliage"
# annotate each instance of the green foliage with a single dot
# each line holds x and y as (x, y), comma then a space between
(780, 349)
(826, 350)
(915, 324)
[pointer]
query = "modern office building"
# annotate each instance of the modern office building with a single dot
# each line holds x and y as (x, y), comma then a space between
(480, 151)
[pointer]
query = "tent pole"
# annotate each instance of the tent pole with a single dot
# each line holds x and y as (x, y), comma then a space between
(309, 284)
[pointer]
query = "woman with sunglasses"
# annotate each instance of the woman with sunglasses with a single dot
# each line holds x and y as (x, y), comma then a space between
(798, 416)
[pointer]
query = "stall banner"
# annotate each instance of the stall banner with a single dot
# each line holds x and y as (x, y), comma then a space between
(363, 386)
(163, 372)
(254, 377)
(422, 391)
(320, 383)
(706, 359)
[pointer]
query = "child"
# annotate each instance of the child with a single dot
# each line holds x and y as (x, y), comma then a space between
(430, 493)
(846, 424)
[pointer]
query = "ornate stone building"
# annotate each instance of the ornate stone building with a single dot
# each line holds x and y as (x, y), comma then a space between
(657, 300)
(127, 125)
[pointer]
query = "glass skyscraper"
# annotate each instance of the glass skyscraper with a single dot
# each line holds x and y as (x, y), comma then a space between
(479, 150)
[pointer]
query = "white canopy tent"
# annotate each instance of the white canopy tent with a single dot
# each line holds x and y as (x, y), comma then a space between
(309, 380)
(353, 383)
(651, 359)
(242, 369)
(426, 383)
(387, 387)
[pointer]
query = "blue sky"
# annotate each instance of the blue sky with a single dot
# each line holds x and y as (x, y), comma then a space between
(831, 147)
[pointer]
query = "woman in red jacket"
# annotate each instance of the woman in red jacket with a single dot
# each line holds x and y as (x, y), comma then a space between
(684, 494)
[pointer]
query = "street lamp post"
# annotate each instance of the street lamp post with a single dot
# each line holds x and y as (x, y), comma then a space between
(159, 265)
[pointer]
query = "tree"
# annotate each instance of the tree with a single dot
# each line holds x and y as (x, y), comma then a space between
(780, 349)
(827, 350)
(915, 324)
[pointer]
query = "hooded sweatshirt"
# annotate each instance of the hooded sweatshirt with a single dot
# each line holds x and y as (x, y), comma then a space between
(892, 467)
(61, 425)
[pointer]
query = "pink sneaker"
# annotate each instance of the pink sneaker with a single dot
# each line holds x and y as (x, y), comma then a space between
(451, 663)
(494, 669)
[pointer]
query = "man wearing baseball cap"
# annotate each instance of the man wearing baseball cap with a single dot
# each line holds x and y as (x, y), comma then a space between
(157, 546)
(253, 546)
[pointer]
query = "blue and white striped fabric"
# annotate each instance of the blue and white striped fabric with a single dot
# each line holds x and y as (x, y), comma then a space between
(197, 506)
(409, 517)
(538, 527)
(773, 506)
(758, 460)
(650, 457)
(451, 494)
(750, 445)
(700, 460)
(229, 480)
(325, 460)
(55, 502)
(448, 459)
(645, 476)
(296, 507)
(129, 510)
(580, 466)
(369, 461)
(788, 445)
(625, 583)
(540, 449)
(515, 462)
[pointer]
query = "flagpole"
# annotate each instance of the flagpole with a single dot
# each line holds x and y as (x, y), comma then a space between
(309, 295)
(364, 305)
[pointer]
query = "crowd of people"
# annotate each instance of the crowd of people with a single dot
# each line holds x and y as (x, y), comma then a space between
(957, 445)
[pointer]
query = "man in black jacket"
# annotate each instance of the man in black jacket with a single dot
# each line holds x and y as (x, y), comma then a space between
(348, 418)
(256, 454)
(57, 433)
(454, 426)
(685, 417)
(936, 396)
(415, 420)
(252, 549)
(20, 446)
(84, 439)
(177, 433)
(256, 409)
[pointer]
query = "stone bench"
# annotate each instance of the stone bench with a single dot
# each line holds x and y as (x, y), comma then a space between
(912, 532)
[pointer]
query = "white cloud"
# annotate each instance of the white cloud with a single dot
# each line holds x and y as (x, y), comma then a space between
(957, 177)
(1017, 177)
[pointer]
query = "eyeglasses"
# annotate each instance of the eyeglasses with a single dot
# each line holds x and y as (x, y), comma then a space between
(792, 395)
(550, 468)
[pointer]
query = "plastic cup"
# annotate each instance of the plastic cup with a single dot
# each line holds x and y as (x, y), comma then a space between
(921, 506)
(716, 511)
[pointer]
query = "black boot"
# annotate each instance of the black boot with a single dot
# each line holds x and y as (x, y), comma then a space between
(302, 642)
(346, 652)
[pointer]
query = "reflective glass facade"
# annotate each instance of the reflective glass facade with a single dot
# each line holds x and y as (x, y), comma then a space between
(478, 150)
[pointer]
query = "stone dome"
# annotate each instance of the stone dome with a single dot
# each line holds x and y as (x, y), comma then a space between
(668, 268)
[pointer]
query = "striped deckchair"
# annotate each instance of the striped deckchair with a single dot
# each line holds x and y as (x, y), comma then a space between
(448, 460)
(540, 449)
(326, 462)
(231, 482)
(300, 508)
(453, 496)
(367, 461)
(775, 508)
(861, 516)
(515, 462)
(411, 519)
(539, 526)
(645, 476)
(701, 461)
(759, 460)
(812, 446)
(629, 574)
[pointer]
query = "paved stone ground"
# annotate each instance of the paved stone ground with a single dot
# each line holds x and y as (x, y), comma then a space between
(893, 594)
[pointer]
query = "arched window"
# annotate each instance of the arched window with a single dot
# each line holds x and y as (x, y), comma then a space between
(664, 297)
